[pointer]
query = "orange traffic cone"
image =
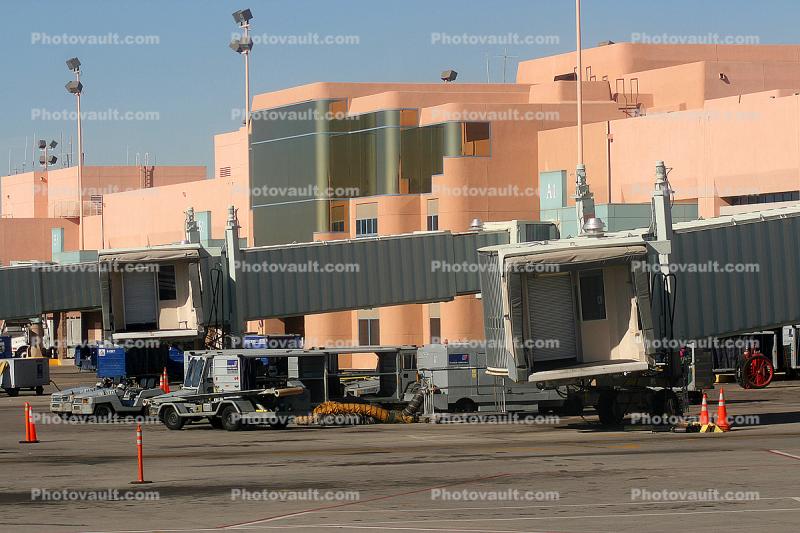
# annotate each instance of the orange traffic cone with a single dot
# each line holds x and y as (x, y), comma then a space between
(704, 411)
(164, 386)
(30, 428)
(722, 413)
(34, 438)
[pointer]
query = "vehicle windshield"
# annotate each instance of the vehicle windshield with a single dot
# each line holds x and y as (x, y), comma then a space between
(193, 374)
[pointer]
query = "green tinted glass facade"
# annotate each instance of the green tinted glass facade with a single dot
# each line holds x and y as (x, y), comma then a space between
(304, 155)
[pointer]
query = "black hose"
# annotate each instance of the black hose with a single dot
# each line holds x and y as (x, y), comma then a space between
(415, 403)
(214, 312)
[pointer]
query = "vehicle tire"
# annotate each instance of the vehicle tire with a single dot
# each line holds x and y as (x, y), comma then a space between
(610, 411)
(215, 422)
(231, 420)
(13, 391)
(172, 419)
(103, 413)
(465, 405)
(39, 390)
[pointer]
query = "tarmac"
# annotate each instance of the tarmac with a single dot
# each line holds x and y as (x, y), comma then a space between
(569, 474)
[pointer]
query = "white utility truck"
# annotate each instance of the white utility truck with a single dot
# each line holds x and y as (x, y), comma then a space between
(232, 389)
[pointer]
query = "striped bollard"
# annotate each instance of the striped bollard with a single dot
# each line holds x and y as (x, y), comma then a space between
(139, 456)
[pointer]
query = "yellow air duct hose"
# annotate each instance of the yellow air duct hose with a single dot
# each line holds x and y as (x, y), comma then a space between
(379, 414)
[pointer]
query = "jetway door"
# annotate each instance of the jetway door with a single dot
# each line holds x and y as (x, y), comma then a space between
(551, 316)
(139, 293)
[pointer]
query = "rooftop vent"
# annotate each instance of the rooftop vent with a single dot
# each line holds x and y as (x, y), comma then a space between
(594, 227)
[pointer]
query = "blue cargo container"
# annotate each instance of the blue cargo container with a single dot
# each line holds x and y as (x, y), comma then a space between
(111, 362)
(5, 347)
(117, 362)
(86, 358)
(175, 366)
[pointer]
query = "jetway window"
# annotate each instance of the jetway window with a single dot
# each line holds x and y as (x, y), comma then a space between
(166, 283)
(593, 299)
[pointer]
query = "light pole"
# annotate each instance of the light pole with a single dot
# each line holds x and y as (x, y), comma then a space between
(584, 199)
(75, 87)
(243, 46)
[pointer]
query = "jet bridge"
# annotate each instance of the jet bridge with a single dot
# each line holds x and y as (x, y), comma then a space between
(262, 282)
(610, 304)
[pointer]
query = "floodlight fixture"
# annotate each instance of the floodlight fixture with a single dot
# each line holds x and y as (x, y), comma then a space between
(449, 76)
(74, 64)
(42, 144)
(243, 16)
(243, 45)
(53, 144)
(74, 87)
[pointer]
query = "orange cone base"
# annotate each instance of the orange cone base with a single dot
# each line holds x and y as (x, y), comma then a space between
(713, 428)
(28, 441)
(140, 482)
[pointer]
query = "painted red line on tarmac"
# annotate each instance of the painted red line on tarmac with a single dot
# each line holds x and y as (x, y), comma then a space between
(375, 499)
(784, 454)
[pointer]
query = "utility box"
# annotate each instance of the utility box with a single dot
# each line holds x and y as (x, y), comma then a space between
(227, 373)
(31, 373)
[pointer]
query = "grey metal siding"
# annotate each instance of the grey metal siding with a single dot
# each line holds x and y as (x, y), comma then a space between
(491, 294)
(466, 248)
(390, 271)
(725, 303)
(77, 289)
(28, 291)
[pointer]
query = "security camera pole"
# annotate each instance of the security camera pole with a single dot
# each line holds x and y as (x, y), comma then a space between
(243, 46)
(75, 87)
(584, 199)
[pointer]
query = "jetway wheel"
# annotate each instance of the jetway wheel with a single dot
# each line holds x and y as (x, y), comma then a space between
(758, 372)
(610, 409)
(666, 403)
